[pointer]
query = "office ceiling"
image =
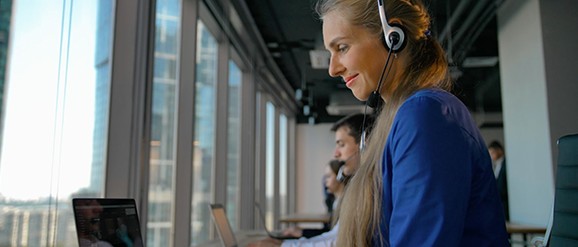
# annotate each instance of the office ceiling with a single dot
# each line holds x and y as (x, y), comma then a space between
(466, 28)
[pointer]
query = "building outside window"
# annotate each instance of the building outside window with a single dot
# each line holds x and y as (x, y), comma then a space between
(204, 134)
(234, 144)
(270, 165)
(56, 94)
(163, 124)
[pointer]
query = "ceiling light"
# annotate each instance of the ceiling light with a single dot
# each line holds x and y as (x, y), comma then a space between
(306, 110)
(319, 59)
(276, 54)
(455, 72)
(273, 45)
(311, 120)
(478, 62)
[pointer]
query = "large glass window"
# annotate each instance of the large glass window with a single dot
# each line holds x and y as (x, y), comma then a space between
(163, 124)
(204, 142)
(234, 143)
(270, 165)
(283, 168)
(5, 17)
(55, 119)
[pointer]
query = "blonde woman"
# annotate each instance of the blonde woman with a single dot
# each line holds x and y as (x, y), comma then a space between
(425, 177)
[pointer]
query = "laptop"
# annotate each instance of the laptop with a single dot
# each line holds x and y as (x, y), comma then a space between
(223, 226)
(107, 222)
(272, 234)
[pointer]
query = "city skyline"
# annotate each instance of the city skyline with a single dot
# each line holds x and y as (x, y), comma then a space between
(51, 137)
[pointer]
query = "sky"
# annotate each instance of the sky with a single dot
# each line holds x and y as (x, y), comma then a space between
(49, 106)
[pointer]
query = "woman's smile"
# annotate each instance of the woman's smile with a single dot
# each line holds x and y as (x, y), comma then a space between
(350, 80)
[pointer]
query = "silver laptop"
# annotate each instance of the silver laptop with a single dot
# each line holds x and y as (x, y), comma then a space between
(223, 226)
(107, 222)
(272, 234)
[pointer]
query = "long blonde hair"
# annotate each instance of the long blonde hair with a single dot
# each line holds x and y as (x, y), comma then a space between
(425, 67)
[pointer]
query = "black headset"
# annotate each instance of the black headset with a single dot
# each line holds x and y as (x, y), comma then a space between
(394, 42)
(341, 177)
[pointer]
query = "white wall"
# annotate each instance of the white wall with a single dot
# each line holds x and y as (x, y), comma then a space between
(314, 149)
(525, 109)
(538, 57)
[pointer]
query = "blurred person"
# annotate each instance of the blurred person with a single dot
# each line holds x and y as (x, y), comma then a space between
(329, 199)
(499, 165)
(348, 135)
(334, 187)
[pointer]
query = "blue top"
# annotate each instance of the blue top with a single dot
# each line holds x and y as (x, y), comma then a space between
(438, 184)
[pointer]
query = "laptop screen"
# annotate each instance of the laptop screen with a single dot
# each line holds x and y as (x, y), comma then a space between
(107, 222)
(223, 227)
(262, 217)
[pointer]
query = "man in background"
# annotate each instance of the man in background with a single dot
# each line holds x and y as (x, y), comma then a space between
(499, 165)
(348, 134)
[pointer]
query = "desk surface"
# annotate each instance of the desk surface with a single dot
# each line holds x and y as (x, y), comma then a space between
(305, 218)
(244, 238)
(520, 228)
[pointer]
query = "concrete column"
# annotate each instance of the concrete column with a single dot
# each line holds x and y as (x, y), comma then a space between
(539, 79)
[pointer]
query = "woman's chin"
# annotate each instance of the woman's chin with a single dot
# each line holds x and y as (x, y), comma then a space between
(360, 96)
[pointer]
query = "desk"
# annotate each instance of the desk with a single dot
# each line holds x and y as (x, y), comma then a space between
(244, 238)
(525, 230)
(305, 218)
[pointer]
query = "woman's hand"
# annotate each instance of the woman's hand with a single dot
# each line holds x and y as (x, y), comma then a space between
(268, 242)
(293, 231)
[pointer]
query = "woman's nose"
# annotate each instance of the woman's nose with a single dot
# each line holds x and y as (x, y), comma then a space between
(335, 67)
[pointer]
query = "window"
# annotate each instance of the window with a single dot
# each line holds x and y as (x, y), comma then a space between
(204, 150)
(234, 143)
(56, 120)
(163, 124)
(56, 114)
(270, 165)
(283, 167)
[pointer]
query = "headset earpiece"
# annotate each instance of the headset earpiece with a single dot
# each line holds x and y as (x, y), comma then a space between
(395, 37)
(393, 33)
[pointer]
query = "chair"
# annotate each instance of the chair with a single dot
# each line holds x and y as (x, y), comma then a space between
(563, 227)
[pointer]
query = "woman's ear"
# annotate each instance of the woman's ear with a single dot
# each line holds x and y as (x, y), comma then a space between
(394, 35)
(395, 21)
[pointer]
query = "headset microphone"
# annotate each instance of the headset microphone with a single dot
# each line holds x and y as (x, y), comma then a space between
(374, 97)
(342, 177)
